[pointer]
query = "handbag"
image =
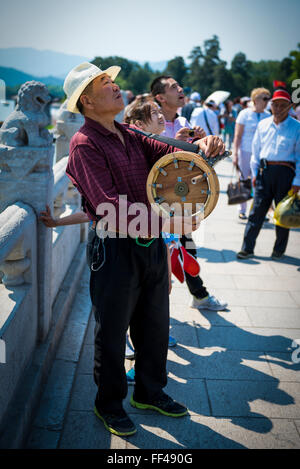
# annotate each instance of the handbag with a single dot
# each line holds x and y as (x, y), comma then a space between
(239, 191)
(287, 211)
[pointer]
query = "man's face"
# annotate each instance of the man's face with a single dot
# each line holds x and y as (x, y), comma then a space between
(173, 95)
(104, 96)
(280, 108)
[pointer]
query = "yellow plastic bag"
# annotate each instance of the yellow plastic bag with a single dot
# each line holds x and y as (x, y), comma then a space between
(287, 212)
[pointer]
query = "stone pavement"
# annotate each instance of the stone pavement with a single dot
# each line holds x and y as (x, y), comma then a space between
(236, 370)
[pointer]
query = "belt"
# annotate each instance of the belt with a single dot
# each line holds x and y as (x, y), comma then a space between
(289, 164)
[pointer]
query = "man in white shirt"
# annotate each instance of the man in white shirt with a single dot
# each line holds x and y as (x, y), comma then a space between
(275, 167)
(206, 118)
(169, 95)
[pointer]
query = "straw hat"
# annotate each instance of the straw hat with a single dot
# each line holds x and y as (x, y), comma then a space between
(79, 78)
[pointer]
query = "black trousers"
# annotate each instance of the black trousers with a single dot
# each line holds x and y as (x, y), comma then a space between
(195, 284)
(272, 183)
(130, 289)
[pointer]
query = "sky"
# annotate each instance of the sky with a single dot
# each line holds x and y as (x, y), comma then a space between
(152, 30)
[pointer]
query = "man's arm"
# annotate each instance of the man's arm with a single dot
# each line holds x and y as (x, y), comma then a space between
(296, 180)
(211, 145)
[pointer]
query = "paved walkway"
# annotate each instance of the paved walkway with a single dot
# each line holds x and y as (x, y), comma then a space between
(234, 370)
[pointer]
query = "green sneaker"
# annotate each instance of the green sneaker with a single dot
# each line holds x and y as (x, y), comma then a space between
(164, 405)
(117, 423)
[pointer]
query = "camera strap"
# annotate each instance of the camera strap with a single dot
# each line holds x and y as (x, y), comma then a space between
(186, 146)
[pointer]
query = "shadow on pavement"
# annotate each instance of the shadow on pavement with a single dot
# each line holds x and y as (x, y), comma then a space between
(232, 383)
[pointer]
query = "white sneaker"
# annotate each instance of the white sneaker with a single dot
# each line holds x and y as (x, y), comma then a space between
(209, 302)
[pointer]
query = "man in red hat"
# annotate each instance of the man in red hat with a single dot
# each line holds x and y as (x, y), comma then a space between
(275, 166)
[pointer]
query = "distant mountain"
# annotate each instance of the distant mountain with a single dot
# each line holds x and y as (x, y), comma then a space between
(40, 63)
(13, 77)
(158, 66)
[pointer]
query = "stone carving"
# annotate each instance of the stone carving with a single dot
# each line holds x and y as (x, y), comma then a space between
(67, 124)
(25, 126)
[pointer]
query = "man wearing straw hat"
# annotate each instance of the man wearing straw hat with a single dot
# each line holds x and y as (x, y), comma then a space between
(109, 165)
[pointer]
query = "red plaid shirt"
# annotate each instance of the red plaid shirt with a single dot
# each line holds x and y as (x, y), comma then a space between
(102, 168)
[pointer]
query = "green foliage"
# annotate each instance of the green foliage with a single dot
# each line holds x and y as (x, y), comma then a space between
(131, 75)
(295, 64)
(177, 69)
(206, 72)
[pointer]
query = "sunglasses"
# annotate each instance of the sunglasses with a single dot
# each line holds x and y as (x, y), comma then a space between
(266, 98)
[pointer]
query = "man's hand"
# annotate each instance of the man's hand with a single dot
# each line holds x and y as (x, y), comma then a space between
(183, 134)
(199, 132)
(47, 218)
(295, 189)
(211, 145)
(253, 182)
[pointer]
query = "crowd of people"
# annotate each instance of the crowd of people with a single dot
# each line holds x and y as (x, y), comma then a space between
(131, 276)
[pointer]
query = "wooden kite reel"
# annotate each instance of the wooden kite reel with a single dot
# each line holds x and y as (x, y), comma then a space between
(184, 183)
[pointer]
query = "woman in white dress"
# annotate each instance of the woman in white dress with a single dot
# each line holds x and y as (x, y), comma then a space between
(245, 128)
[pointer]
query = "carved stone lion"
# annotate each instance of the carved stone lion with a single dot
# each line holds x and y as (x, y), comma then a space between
(25, 126)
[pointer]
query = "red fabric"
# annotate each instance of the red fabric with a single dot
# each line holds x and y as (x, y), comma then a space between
(177, 268)
(187, 264)
(190, 264)
(277, 83)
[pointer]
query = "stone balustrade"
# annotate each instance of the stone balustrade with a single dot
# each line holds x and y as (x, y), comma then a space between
(35, 260)
(18, 295)
(65, 239)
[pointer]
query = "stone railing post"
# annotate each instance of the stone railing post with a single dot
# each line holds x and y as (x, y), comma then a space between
(26, 174)
(67, 124)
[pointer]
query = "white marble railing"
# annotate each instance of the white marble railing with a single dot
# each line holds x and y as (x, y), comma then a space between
(25, 270)
(65, 239)
(18, 295)
(34, 259)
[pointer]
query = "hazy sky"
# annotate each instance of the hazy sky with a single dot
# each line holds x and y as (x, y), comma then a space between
(152, 30)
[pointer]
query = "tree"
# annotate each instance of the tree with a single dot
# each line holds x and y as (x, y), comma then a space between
(204, 62)
(177, 69)
(285, 69)
(241, 72)
(222, 78)
(295, 65)
(139, 81)
(240, 65)
(263, 74)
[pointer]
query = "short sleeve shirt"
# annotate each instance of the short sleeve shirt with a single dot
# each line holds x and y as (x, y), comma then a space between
(250, 120)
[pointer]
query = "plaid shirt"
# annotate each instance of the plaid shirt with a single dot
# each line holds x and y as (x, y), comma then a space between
(102, 168)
